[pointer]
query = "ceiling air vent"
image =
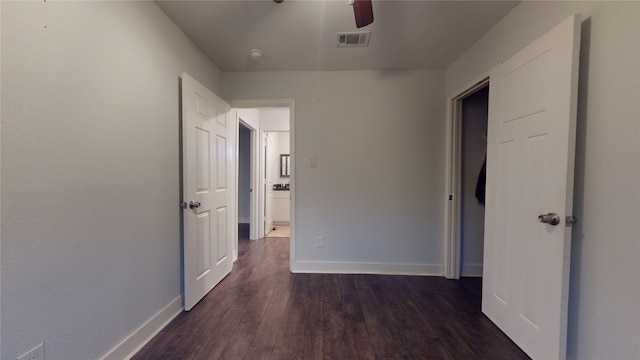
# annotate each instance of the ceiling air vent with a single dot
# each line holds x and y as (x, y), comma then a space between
(354, 39)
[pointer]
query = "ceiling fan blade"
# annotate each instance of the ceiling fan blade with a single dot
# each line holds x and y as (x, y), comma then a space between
(363, 11)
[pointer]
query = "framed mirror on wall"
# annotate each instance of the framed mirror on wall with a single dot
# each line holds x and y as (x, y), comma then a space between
(285, 162)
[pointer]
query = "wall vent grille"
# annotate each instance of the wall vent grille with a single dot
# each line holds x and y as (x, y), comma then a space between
(353, 39)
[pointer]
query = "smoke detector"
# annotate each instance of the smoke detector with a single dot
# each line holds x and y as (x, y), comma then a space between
(353, 39)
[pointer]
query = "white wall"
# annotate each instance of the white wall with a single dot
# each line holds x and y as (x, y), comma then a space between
(250, 117)
(604, 321)
(90, 171)
(274, 119)
(377, 192)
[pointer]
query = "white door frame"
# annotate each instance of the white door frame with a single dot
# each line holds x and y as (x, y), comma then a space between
(258, 195)
(254, 176)
(267, 184)
(453, 177)
(267, 198)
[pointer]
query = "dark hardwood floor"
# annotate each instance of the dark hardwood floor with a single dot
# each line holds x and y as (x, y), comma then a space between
(262, 311)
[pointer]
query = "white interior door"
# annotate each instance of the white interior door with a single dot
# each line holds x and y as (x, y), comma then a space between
(532, 117)
(207, 192)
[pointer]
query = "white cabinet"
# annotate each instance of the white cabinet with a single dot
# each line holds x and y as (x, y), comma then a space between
(281, 207)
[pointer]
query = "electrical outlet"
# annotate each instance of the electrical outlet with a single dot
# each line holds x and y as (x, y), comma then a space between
(319, 241)
(37, 353)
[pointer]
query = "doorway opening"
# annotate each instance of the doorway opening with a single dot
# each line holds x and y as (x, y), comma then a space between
(466, 181)
(266, 119)
(277, 173)
(245, 188)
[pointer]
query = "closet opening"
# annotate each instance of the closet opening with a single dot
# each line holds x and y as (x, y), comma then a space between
(466, 182)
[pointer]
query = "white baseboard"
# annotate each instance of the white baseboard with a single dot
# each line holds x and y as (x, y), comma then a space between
(471, 270)
(142, 335)
(337, 267)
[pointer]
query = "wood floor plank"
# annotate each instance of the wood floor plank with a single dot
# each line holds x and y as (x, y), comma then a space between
(357, 337)
(262, 311)
(270, 324)
(289, 339)
(240, 340)
(370, 296)
(334, 341)
(312, 333)
(218, 332)
(259, 353)
(400, 319)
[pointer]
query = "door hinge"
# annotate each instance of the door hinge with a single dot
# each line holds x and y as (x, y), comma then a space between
(450, 197)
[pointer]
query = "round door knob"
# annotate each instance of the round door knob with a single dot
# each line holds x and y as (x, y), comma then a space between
(194, 205)
(550, 218)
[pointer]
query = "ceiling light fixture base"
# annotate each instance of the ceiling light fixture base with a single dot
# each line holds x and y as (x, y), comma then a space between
(255, 54)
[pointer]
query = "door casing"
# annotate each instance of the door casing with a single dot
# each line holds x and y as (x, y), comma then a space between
(254, 177)
(258, 196)
(453, 179)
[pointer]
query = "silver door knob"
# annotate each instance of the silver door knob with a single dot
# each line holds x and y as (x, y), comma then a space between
(194, 205)
(550, 218)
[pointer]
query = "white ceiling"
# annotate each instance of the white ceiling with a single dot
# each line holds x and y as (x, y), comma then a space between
(301, 34)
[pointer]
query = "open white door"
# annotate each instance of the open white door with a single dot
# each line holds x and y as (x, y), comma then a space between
(207, 136)
(532, 119)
